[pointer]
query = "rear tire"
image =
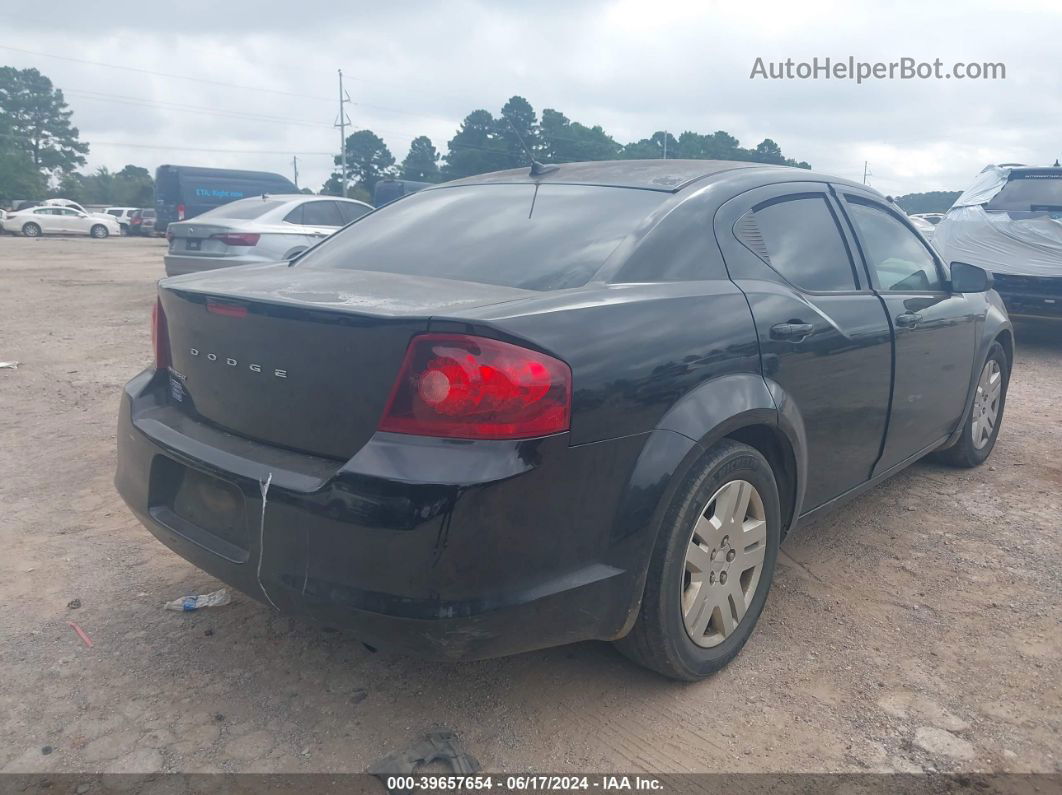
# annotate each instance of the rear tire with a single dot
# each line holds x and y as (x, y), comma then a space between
(31, 230)
(702, 597)
(981, 427)
(99, 231)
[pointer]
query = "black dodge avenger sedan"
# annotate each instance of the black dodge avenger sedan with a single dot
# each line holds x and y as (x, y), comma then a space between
(526, 409)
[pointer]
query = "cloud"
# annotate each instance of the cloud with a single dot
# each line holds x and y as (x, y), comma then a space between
(418, 68)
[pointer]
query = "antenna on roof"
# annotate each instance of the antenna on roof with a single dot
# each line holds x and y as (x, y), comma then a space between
(537, 169)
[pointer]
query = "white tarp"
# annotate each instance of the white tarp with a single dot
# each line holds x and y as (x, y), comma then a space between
(987, 184)
(994, 240)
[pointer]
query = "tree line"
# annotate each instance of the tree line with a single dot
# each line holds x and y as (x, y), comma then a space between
(485, 142)
(41, 149)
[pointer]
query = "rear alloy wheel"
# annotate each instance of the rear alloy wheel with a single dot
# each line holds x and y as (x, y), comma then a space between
(724, 561)
(99, 231)
(712, 566)
(981, 427)
(31, 230)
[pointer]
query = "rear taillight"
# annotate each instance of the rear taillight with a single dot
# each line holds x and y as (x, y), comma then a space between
(237, 238)
(467, 387)
(160, 337)
(135, 221)
(180, 212)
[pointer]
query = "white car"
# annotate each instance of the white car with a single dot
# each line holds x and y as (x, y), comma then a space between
(122, 215)
(73, 205)
(267, 228)
(50, 220)
(922, 225)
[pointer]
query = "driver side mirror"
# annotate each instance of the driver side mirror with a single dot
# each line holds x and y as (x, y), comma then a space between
(82, 215)
(966, 278)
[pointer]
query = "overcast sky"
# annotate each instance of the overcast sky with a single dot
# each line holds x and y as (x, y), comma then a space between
(633, 67)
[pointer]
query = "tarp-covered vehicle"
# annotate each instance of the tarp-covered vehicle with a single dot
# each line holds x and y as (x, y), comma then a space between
(1010, 222)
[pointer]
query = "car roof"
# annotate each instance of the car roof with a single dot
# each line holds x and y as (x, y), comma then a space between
(291, 197)
(669, 176)
(1034, 169)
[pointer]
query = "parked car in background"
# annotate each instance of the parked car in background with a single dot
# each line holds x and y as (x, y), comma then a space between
(923, 226)
(142, 222)
(387, 190)
(263, 229)
(933, 218)
(1010, 223)
(73, 205)
(184, 192)
(527, 409)
(59, 220)
(122, 214)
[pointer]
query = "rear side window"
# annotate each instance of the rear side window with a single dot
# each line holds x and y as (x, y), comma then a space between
(351, 212)
(545, 237)
(322, 213)
(894, 253)
(800, 238)
(245, 210)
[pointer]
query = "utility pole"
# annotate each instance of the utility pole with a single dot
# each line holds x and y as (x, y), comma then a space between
(866, 172)
(665, 144)
(342, 125)
(295, 167)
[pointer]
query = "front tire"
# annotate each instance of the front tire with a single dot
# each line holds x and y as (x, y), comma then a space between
(712, 566)
(99, 231)
(981, 427)
(31, 230)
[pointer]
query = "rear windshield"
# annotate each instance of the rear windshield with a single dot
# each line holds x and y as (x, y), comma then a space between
(245, 209)
(512, 235)
(1029, 192)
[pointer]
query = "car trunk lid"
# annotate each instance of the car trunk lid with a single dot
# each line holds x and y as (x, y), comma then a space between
(288, 358)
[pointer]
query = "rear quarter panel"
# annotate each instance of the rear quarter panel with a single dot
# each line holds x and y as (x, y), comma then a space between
(634, 350)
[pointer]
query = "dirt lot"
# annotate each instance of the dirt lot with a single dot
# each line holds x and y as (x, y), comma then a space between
(917, 629)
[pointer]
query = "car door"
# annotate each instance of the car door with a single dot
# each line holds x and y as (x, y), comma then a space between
(49, 220)
(74, 222)
(823, 334)
(934, 328)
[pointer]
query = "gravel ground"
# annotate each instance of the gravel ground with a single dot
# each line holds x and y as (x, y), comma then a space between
(918, 629)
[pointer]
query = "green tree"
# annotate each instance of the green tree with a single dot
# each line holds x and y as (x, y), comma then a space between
(476, 148)
(517, 114)
(565, 141)
(652, 147)
(935, 201)
(368, 161)
(133, 187)
(19, 178)
(36, 115)
(422, 162)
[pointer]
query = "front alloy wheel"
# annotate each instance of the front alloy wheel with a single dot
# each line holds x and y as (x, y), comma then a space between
(986, 404)
(982, 422)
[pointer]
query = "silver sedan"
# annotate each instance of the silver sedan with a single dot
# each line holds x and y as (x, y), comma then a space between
(265, 228)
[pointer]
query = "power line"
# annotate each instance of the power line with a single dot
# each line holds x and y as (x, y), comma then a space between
(101, 96)
(163, 74)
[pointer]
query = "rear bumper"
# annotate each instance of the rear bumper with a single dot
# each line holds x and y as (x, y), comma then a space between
(451, 550)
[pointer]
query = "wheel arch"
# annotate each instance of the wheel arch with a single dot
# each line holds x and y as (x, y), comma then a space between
(996, 327)
(1006, 340)
(740, 407)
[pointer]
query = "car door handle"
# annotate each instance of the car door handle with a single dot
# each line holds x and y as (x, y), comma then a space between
(791, 331)
(908, 319)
